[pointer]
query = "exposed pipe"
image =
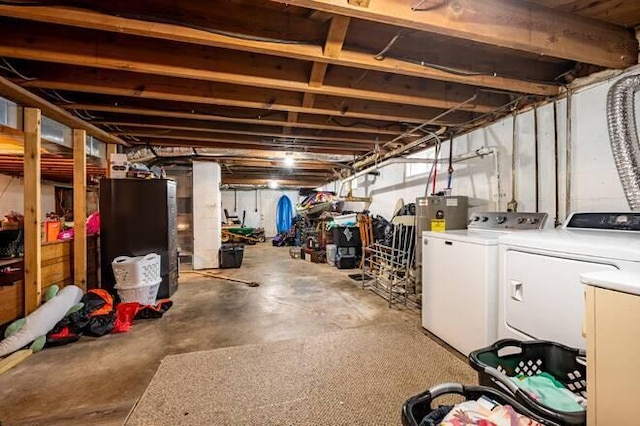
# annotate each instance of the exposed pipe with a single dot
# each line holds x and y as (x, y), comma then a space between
(482, 152)
(375, 157)
(435, 168)
(536, 156)
(450, 168)
(556, 220)
(567, 211)
(623, 135)
(512, 205)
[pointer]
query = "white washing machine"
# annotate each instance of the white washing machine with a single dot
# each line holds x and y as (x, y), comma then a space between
(460, 278)
(540, 292)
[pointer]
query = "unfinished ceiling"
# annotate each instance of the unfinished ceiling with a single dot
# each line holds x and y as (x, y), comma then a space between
(266, 79)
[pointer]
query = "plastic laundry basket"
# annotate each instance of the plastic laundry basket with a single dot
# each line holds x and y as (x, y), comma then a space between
(133, 271)
(567, 365)
(416, 408)
(145, 294)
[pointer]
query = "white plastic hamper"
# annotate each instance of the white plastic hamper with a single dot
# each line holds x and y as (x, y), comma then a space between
(135, 271)
(145, 294)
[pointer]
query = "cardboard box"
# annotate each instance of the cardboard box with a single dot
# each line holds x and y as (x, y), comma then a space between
(118, 166)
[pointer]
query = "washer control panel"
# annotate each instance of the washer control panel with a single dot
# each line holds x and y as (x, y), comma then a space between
(507, 220)
(604, 221)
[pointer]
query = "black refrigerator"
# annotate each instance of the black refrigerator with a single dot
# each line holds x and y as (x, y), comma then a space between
(138, 216)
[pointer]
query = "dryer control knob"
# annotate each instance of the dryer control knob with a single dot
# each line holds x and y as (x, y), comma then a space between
(520, 219)
(475, 218)
(484, 218)
(532, 220)
(501, 219)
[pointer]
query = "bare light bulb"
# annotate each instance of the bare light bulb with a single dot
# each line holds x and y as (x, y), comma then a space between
(272, 184)
(289, 161)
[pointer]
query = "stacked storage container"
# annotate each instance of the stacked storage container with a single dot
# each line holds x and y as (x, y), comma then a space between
(137, 278)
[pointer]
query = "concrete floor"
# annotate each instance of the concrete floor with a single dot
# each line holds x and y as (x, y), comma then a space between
(97, 380)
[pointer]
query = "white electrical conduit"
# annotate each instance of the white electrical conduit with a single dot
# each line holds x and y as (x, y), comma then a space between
(401, 160)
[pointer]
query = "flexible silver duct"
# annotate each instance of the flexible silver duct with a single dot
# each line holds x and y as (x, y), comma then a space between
(623, 135)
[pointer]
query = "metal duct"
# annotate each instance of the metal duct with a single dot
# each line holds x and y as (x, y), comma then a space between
(623, 136)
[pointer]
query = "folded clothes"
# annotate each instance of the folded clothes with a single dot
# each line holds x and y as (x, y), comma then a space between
(485, 412)
(548, 391)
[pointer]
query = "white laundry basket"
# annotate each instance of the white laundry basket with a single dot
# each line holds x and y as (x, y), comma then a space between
(134, 271)
(145, 294)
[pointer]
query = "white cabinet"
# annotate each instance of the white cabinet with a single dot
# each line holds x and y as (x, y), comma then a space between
(613, 357)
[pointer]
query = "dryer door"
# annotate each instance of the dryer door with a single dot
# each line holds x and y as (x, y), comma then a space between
(544, 296)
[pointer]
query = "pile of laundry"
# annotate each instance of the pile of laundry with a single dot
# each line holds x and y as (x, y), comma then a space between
(547, 390)
(69, 314)
(484, 411)
(100, 315)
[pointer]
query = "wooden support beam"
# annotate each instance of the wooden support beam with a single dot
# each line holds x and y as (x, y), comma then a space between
(23, 97)
(253, 145)
(192, 133)
(308, 100)
(336, 35)
(204, 140)
(93, 20)
(80, 208)
(134, 127)
(65, 53)
(120, 83)
(510, 24)
(318, 72)
(332, 48)
(298, 183)
(210, 117)
(32, 210)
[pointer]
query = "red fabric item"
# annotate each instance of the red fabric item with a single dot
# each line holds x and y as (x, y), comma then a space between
(61, 334)
(125, 313)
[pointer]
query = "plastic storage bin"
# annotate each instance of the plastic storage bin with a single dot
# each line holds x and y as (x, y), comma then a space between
(145, 294)
(567, 365)
(133, 271)
(418, 407)
(346, 219)
(231, 256)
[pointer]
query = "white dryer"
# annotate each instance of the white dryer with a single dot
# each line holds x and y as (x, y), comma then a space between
(460, 278)
(540, 292)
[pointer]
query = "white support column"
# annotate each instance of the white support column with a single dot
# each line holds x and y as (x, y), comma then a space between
(207, 214)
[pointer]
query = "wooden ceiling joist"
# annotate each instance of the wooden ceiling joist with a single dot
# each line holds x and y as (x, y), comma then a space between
(82, 52)
(121, 83)
(72, 47)
(200, 135)
(245, 141)
(12, 91)
(252, 145)
(517, 25)
(224, 119)
(295, 183)
(172, 126)
(297, 166)
(307, 52)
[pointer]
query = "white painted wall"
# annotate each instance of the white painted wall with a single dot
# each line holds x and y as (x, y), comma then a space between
(207, 214)
(594, 183)
(12, 196)
(261, 213)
